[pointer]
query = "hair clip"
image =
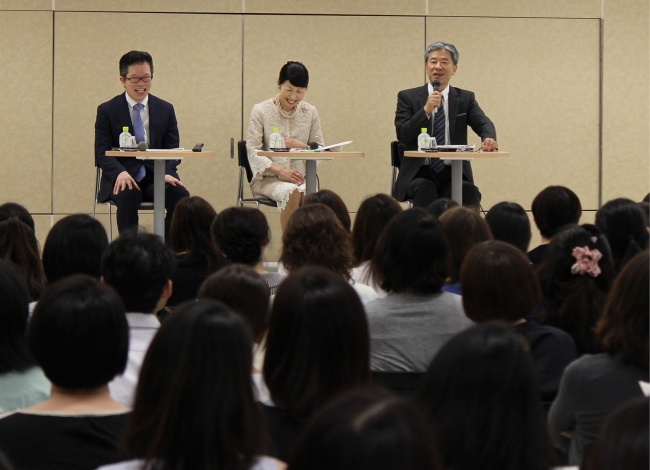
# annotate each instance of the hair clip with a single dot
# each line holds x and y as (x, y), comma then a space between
(586, 261)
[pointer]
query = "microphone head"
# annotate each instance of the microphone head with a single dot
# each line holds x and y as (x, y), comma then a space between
(436, 85)
(142, 146)
(313, 145)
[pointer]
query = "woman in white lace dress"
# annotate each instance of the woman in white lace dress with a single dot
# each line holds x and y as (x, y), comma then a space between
(279, 178)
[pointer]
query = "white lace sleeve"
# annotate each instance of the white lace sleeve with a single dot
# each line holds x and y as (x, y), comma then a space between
(255, 142)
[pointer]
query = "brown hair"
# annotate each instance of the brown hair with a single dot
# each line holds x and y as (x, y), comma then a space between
(373, 215)
(623, 327)
(190, 228)
(334, 202)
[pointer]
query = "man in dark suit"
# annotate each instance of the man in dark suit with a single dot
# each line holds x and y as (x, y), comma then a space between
(126, 180)
(445, 113)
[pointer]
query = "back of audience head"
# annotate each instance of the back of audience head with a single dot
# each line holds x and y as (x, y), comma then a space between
(14, 298)
(75, 245)
(463, 228)
(194, 405)
(440, 206)
(18, 244)
(495, 426)
(366, 430)
(78, 333)
(244, 291)
(318, 343)
(315, 236)
(241, 233)
(509, 223)
(190, 228)
(139, 266)
(626, 227)
(498, 283)
(372, 217)
(623, 328)
(13, 209)
(334, 202)
(411, 254)
(555, 207)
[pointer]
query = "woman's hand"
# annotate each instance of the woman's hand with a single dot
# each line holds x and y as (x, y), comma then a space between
(291, 176)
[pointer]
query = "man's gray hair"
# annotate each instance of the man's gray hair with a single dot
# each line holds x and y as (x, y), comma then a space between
(442, 45)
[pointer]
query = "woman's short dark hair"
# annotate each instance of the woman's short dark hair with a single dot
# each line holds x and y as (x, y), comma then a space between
(463, 228)
(411, 254)
(509, 223)
(573, 302)
(440, 206)
(190, 233)
(623, 328)
(318, 344)
(364, 430)
(78, 333)
(315, 236)
(625, 225)
(498, 283)
(14, 298)
(241, 233)
(244, 291)
(555, 207)
(372, 217)
(194, 405)
(13, 209)
(18, 244)
(295, 73)
(481, 396)
(75, 245)
(334, 202)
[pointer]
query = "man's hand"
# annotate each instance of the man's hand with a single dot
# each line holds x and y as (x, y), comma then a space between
(292, 176)
(292, 143)
(433, 101)
(173, 181)
(489, 145)
(123, 181)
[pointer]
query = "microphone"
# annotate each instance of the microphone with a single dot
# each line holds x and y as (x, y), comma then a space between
(142, 146)
(313, 145)
(436, 86)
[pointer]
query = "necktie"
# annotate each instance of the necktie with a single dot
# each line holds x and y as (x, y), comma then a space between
(437, 165)
(138, 130)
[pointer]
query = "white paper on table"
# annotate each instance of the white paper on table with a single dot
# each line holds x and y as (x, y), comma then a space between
(645, 388)
(161, 150)
(336, 145)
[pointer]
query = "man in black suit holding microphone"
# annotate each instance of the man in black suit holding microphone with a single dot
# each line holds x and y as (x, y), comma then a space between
(446, 112)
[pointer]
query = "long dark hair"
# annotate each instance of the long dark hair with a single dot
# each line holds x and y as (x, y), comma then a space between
(190, 234)
(13, 320)
(18, 244)
(372, 217)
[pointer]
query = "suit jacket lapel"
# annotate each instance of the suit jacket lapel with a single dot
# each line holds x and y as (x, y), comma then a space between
(153, 120)
(123, 114)
(452, 111)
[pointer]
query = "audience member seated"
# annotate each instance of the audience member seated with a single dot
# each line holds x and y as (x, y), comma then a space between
(499, 284)
(74, 245)
(575, 276)
(22, 383)
(463, 227)
(372, 217)
(334, 202)
(367, 430)
(18, 244)
(593, 386)
(440, 206)
(191, 240)
(314, 236)
(480, 395)
(241, 234)
(79, 336)
(509, 223)
(194, 407)
(553, 208)
(139, 267)
(317, 348)
(410, 324)
(625, 225)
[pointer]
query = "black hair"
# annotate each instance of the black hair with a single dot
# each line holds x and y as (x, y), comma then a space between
(194, 405)
(334, 202)
(440, 206)
(18, 244)
(241, 233)
(138, 266)
(14, 298)
(13, 209)
(373, 215)
(509, 223)
(411, 254)
(78, 333)
(75, 245)
(481, 396)
(133, 58)
(295, 73)
(555, 207)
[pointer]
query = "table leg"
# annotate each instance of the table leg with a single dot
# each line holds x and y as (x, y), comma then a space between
(457, 181)
(311, 176)
(159, 198)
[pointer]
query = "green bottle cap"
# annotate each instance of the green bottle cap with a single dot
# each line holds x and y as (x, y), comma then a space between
(125, 128)
(276, 129)
(424, 129)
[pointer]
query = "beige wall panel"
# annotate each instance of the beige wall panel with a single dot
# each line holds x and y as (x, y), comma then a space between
(157, 6)
(26, 5)
(542, 95)
(354, 82)
(516, 8)
(26, 108)
(337, 7)
(626, 126)
(197, 68)
(42, 226)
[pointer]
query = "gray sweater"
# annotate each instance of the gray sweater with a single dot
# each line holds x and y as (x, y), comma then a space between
(407, 330)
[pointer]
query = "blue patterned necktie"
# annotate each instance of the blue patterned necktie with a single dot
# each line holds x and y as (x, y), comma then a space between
(138, 130)
(437, 165)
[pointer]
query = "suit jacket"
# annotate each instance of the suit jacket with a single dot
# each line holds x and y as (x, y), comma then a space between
(410, 118)
(112, 116)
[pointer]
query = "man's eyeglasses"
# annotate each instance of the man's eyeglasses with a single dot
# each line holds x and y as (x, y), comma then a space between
(145, 79)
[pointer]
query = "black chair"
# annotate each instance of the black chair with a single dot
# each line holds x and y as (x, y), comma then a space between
(396, 155)
(245, 167)
(402, 383)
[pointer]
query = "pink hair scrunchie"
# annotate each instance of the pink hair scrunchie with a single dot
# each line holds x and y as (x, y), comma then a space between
(586, 261)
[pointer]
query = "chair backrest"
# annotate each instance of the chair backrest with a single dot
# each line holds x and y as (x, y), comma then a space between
(395, 159)
(402, 383)
(242, 156)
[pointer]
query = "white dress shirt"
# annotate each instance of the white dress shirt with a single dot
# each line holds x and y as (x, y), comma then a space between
(144, 114)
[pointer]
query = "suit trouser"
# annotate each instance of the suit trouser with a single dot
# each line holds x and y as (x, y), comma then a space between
(427, 186)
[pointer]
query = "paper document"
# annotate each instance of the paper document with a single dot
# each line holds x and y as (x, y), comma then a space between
(162, 150)
(336, 145)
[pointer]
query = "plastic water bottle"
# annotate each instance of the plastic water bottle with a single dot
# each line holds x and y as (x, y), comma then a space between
(423, 139)
(125, 138)
(276, 141)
